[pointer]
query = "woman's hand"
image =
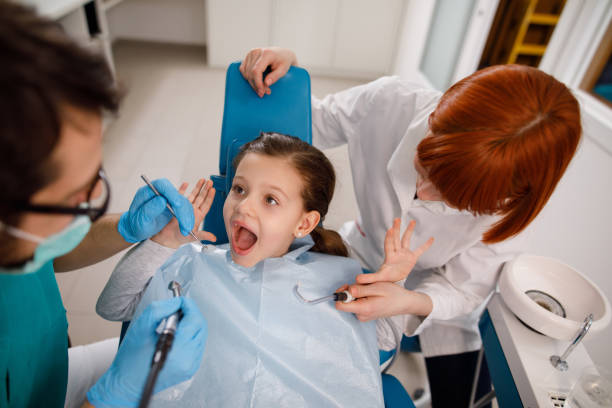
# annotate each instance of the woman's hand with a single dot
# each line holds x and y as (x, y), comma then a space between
(383, 299)
(256, 62)
(201, 198)
(399, 259)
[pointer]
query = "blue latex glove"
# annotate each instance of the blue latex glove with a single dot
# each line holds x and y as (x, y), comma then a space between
(148, 213)
(123, 383)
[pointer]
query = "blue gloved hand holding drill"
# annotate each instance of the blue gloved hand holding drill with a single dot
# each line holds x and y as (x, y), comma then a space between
(122, 384)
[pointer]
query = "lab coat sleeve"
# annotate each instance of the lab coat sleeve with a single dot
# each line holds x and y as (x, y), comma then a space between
(129, 280)
(460, 286)
(336, 119)
(386, 105)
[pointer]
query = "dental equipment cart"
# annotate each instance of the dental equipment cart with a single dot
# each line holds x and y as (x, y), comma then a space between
(519, 361)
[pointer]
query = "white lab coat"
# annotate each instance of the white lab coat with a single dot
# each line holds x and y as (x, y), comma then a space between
(382, 123)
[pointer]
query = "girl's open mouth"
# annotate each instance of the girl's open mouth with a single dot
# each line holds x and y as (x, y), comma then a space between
(243, 239)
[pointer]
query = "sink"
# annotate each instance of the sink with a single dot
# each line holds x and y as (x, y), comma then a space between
(541, 290)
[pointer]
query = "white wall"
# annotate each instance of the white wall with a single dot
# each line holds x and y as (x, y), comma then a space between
(341, 38)
(411, 42)
(174, 21)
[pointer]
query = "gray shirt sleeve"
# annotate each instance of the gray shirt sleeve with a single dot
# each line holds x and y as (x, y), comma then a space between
(129, 280)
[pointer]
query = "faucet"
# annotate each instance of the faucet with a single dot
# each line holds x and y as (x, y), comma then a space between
(560, 363)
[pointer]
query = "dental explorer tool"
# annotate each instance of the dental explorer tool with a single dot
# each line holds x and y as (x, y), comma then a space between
(344, 297)
(162, 348)
(152, 187)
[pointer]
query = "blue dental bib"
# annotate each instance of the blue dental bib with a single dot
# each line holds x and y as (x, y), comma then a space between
(265, 347)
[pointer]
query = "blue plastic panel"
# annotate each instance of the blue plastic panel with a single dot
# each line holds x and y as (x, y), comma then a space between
(214, 219)
(394, 393)
(245, 115)
(505, 388)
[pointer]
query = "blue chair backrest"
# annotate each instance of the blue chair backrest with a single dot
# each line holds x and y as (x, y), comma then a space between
(245, 115)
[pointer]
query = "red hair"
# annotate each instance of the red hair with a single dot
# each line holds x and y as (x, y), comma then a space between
(499, 142)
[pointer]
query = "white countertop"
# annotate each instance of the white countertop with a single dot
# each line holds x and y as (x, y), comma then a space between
(528, 352)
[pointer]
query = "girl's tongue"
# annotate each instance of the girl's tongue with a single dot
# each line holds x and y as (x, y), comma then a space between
(244, 239)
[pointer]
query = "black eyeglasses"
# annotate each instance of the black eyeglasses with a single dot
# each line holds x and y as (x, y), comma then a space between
(94, 208)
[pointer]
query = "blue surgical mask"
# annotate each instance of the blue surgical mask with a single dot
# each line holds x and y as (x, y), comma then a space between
(50, 247)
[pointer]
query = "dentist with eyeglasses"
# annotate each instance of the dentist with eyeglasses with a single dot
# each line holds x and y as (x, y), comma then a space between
(53, 219)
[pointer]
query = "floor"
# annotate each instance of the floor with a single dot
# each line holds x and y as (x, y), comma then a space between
(169, 126)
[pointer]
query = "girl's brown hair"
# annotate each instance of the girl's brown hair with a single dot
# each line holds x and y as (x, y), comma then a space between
(500, 141)
(318, 177)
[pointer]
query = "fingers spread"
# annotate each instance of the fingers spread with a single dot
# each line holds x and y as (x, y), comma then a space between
(201, 194)
(208, 196)
(183, 187)
(366, 278)
(408, 235)
(196, 190)
(396, 233)
(421, 250)
(389, 244)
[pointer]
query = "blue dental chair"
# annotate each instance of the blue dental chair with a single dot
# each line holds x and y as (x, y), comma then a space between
(245, 116)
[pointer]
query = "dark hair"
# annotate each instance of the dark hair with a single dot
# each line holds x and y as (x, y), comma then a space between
(42, 71)
(318, 176)
(501, 140)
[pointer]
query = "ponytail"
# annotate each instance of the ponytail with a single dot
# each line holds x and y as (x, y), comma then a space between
(328, 242)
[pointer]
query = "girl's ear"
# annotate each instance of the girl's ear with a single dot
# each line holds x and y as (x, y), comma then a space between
(307, 223)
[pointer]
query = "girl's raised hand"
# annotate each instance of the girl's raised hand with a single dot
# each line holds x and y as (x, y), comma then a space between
(399, 259)
(201, 197)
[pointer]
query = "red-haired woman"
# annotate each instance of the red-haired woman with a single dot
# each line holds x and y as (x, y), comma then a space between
(473, 167)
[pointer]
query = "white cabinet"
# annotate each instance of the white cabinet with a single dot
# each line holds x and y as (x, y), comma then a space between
(306, 27)
(367, 35)
(234, 27)
(335, 37)
(166, 21)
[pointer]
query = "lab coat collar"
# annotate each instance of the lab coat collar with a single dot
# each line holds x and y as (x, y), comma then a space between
(402, 173)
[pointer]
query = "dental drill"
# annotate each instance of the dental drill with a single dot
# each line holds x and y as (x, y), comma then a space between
(166, 331)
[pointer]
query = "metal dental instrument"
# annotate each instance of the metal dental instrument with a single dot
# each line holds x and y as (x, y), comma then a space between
(162, 348)
(152, 187)
(344, 297)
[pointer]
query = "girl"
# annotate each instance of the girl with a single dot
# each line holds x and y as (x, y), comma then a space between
(266, 347)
